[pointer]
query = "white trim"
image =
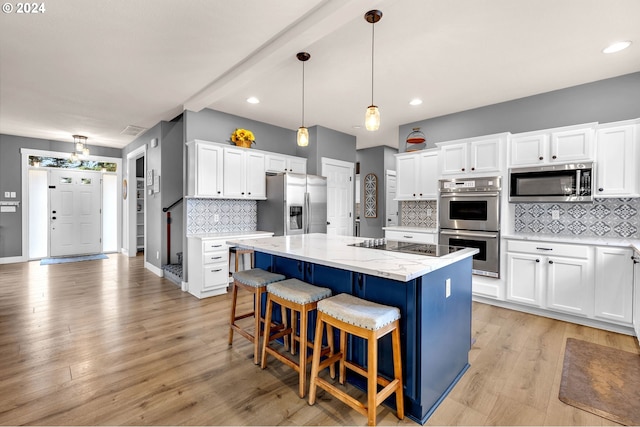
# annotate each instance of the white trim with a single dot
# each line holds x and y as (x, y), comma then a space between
(342, 163)
(324, 161)
(155, 270)
(130, 206)
(11, 259)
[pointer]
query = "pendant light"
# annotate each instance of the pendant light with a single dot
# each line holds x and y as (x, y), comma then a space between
(372, 117)
(80, 148)
(303, 133)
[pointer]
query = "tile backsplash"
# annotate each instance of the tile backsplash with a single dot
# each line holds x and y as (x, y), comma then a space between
(423, 213)
(233, 215)
(602, 218)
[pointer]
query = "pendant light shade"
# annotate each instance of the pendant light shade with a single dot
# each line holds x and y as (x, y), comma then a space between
(303, 133)
(372, 117)
(80, 148)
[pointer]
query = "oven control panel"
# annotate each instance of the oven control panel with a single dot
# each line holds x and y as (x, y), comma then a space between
(476, 184)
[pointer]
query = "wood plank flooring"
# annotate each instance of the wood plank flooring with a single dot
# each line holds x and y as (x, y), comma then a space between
(107, 342)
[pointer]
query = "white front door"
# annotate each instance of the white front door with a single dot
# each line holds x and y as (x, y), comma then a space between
(75, 217)
(391, 208)
(339, 176)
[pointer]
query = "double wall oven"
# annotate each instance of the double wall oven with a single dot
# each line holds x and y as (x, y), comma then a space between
(469, 215)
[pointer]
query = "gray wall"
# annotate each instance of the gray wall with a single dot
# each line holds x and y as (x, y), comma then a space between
(214, 126)
(166, 161)
(375, 160)
(325, 142)
(603, 101)
(11, 180)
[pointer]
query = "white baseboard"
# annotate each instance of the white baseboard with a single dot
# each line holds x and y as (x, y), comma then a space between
(155, 270)
(12, 259)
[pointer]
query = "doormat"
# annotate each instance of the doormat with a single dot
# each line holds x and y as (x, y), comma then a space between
(63, 260)
(602, 380)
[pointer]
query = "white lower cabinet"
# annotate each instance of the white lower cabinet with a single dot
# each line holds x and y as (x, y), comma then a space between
(551, 275)
(614, 284)
(411, 236)
(636, 295)
(208, 267)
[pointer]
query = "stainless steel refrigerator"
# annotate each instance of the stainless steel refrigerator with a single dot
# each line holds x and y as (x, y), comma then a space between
(296, 204)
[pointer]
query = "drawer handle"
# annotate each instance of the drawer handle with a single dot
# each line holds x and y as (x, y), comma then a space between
(537, 260)
(216, 246)
(545, 249)
(215, 271)
(550, 262)
(216, 257)
(408, 237)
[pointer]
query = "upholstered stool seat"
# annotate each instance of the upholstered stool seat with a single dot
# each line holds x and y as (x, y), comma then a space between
(368, 320)
(300, 298)
(254, 281)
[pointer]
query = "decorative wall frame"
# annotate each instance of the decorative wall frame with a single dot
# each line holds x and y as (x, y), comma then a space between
(371, 196)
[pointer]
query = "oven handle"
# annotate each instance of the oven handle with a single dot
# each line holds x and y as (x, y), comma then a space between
(470, 234)
(471, 194)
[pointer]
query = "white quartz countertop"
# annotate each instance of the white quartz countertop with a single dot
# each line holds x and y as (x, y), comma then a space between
(411, 229)
(233, 235)
(334, 251)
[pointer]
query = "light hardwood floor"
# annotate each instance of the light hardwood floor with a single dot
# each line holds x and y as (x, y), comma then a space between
(109, 343)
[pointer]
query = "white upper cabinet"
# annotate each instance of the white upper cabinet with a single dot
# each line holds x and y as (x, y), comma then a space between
(417, 175)
(205, 169)
(618, 159)
(559, 145)
(244, 174)
(473, 156)
(281, 163)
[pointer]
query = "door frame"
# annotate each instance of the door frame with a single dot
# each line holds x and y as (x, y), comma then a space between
(130, 207)
(325, 161)
(24, 166)
(390, 173)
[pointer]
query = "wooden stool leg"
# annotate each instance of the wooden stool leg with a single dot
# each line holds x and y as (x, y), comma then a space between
(294, 331)
(233, 314)
(372, 377)
(267, 332)
(303, 352)
(332, 367)
(258, 312)
(397, 371)
(285, 325)
(237, 255)
(343, 350)
(315, 361)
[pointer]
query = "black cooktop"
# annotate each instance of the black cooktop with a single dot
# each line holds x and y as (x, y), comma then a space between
(426, 249)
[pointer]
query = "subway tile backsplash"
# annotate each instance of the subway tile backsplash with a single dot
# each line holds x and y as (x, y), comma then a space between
(602, 218)
(234, 215)
(423, 213)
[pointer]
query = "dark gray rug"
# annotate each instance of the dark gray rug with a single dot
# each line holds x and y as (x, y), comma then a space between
(602, 380)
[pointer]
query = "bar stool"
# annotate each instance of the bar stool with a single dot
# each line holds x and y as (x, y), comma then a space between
(302, 298)
(254, 281)
(238, 252)
(370, 321)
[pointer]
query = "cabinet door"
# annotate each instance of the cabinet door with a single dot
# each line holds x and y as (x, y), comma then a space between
(528, 149)
(275, 163)
(636, 296)
(256, 184)
(485, 156)
(406, 177)
(569, 285)
(234, 174)
(427, 179)
(616, 162)
(453, 159)
(524, 278)
(614, 284)
(571, 145)
(297, 164)
(208, 170)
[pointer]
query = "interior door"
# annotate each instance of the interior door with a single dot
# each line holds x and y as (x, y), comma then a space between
(339, 196)
(391, 208)
(75, 218)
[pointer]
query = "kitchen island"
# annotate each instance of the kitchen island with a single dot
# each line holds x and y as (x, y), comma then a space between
(433, 294)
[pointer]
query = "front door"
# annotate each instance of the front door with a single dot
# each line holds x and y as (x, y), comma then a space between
(75, 216)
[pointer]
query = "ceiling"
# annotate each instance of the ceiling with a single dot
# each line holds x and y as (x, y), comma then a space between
(95, 67)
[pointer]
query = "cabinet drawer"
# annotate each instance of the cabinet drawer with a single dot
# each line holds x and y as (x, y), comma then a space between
(551, 249)
(213, 245)
(215, 276)
(214, 257)
(404, 236)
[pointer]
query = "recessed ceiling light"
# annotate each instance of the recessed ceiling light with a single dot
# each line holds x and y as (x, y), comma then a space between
(616, 47)
(253, 100)
(415, 101)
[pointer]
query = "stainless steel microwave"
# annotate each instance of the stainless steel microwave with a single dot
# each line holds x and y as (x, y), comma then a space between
(570, 182)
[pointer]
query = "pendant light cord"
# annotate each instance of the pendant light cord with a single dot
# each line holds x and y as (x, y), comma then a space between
(373, 31)
(303, 93)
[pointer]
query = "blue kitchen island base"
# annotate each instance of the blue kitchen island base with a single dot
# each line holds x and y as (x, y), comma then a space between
(435, 327)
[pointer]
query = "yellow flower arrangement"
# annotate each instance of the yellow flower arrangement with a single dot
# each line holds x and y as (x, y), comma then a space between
(243, 137)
